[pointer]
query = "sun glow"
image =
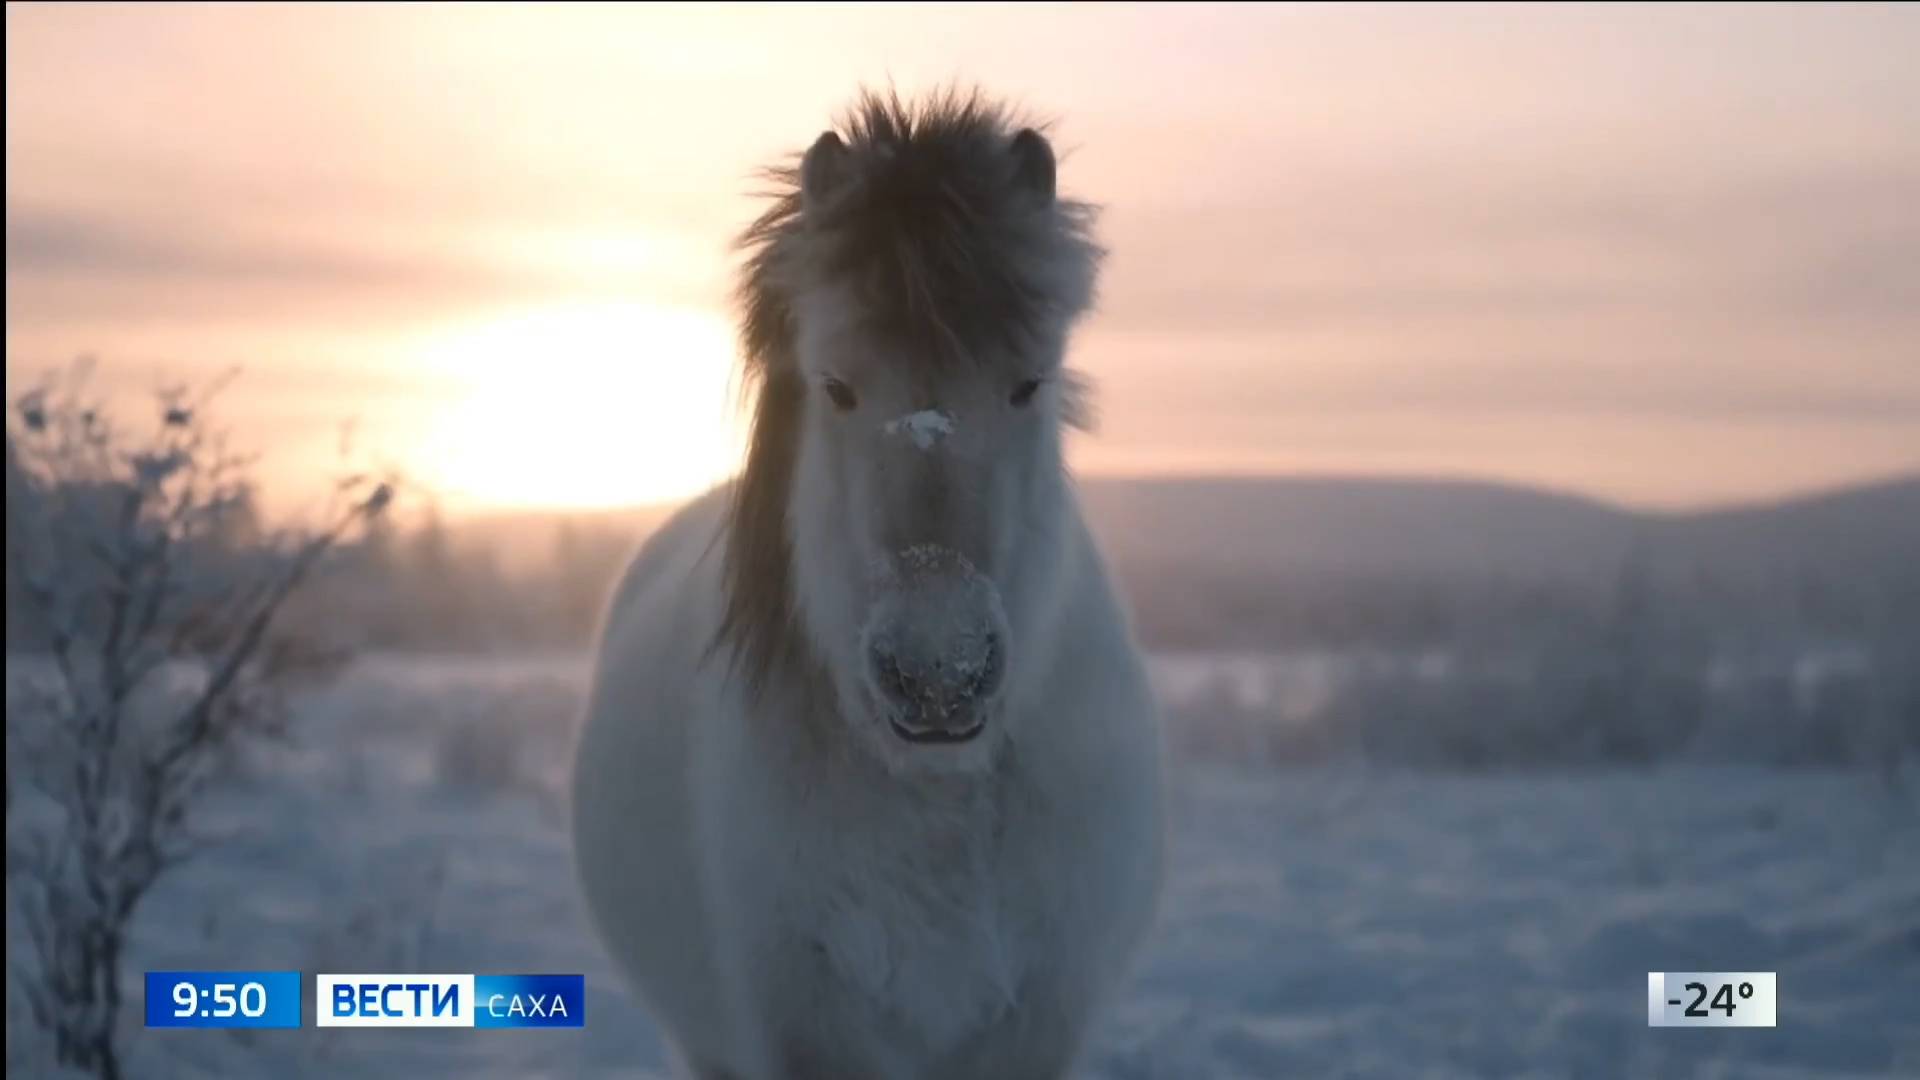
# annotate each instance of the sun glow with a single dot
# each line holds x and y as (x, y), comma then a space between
(581, 406)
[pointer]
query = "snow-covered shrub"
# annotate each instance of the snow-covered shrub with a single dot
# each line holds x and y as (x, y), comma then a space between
(510, 741)
(364, 933)
(147, 591)
(479, 756)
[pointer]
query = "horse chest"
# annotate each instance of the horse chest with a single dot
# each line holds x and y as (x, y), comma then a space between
(924, 924)
(942, 968)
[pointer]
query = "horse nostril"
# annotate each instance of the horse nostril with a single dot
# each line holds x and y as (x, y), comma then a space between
(987, 679)
(892, 680)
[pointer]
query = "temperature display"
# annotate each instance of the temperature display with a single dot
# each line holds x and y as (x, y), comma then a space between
(1710, 998)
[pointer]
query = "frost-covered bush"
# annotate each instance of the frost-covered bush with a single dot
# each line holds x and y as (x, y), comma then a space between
(480, 757)
(143, 595)
(512, 741)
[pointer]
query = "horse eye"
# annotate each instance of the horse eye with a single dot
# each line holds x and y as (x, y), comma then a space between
(842, 395)
(1024, 392)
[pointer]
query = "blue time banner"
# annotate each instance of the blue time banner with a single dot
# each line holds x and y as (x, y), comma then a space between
(223, 999)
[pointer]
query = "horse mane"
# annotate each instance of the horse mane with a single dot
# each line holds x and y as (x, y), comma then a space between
(943, 249)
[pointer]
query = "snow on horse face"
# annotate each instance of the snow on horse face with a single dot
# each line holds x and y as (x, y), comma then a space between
(908, 304)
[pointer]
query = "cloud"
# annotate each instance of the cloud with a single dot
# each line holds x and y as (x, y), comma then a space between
(68, 266)
(54, 244)
(1837, 244)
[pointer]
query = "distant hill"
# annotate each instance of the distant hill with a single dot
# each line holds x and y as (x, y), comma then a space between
(1871, 531)
(1259, 527)
(1262, 526)
(1287, 525)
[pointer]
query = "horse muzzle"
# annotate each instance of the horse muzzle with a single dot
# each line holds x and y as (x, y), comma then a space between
(936, 648)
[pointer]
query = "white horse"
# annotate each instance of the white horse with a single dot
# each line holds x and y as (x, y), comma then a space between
(870, 781)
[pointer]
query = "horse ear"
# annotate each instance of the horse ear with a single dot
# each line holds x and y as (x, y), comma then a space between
(824, 171)
(1033, 167)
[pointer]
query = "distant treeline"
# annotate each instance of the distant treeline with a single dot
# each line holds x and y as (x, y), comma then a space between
(439, 588)
(1192, 608)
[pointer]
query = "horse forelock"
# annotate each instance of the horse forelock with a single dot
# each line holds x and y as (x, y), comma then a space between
(939, 249)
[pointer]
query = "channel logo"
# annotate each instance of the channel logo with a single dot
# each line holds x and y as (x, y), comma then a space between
(475, 1001)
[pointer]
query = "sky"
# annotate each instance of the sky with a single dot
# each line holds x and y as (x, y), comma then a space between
(1667, 256)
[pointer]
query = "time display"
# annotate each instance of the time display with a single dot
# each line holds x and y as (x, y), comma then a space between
(223, 999)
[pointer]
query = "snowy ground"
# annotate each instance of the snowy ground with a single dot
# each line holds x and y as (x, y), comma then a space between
(1341, 923)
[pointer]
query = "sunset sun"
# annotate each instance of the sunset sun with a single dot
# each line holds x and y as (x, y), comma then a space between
(580, 406)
